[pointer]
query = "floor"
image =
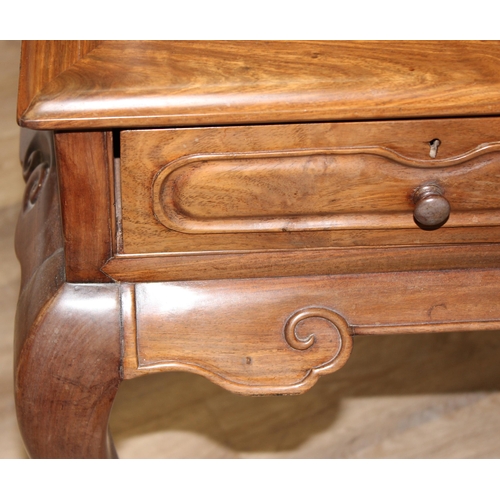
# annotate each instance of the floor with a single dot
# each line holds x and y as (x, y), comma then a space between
(425, 396)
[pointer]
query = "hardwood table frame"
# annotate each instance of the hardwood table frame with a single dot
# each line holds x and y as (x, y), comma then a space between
(206, 244)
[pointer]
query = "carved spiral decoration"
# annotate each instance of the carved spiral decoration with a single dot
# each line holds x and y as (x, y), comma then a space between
(316, 312)
(35, 171)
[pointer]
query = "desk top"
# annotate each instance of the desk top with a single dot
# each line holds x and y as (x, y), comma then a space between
(139, 84)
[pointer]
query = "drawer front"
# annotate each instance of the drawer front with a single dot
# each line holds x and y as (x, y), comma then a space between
(350, 188)
(307, 186)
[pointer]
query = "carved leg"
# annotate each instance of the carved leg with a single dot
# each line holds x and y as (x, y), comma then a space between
(68, 372)
(67, 344)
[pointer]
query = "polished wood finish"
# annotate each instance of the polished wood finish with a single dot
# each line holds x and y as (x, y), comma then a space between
(67, 346)
(247, 254)
(304, 186)
(399, 396)
(230, 345)
(315, 191)
(245, 335)
(39, 240)
(68, 374)
(85, 165)
(130, 84)
(42, 61)
(214, 265)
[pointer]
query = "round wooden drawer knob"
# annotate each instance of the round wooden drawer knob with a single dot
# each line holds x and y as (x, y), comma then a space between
(431, 207)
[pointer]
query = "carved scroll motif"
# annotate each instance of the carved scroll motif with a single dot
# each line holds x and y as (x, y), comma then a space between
(36, 165)
(340, 329)
(242, 347)
(35, 172)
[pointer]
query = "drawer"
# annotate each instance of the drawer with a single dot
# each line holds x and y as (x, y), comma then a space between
(310, 186)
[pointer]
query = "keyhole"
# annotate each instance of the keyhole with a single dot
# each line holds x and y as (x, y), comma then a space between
(434, 144)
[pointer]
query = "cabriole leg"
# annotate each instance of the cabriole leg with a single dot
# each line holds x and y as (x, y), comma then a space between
(67, 375)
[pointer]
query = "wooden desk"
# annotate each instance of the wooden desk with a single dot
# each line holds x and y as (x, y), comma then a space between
(240, 210)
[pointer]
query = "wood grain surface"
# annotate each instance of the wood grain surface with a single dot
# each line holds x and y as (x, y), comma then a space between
(68, 373)
(305, 185)
(152, 83)
(425, 396)
(214, 265)
(238, 334)
(278, 345)
(67, 364)
(316, 191)
(85, 166)
(40, 62)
